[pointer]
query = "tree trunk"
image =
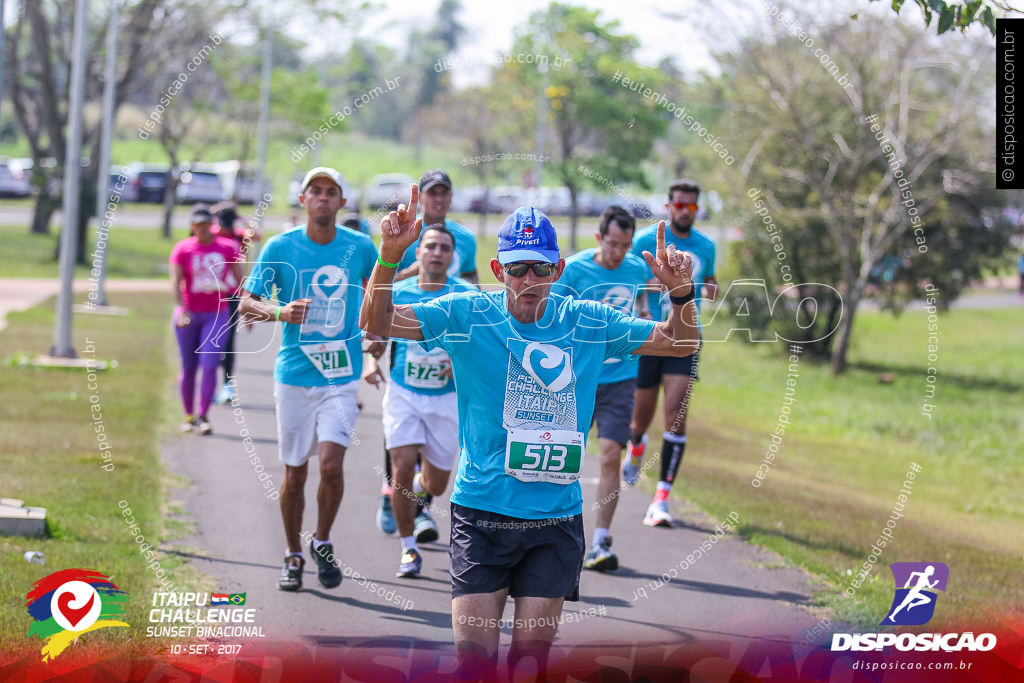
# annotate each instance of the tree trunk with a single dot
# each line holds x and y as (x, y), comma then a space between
(42, 213)
(169, 198)
(481, 229)
(842, 346)
(574, 214)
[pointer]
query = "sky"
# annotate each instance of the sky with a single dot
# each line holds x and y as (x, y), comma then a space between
(490, 27)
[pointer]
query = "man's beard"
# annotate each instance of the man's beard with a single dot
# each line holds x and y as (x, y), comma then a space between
(679, 227)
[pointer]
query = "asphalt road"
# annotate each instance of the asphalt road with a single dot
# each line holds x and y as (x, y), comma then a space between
(238, 540)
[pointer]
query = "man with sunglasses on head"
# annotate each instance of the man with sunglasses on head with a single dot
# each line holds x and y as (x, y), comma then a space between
(676, 374)
(526, 363)
(616, 277)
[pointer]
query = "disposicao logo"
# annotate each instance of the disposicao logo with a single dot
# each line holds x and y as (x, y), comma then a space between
(913, 604)
(68, 603)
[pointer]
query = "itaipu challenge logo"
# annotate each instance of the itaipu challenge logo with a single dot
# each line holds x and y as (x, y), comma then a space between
(68, 603)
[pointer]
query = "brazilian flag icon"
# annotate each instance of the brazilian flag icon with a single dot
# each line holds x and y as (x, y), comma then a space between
(237, 598)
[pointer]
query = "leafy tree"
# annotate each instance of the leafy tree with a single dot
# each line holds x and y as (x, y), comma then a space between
(601, 129)
(959, 15)
(884, 158)
(38, 61)
(428, 50)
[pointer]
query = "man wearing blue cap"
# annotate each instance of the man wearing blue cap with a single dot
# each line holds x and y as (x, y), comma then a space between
(526, 364)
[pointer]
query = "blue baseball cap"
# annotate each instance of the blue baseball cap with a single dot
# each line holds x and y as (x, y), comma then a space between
(527, 235)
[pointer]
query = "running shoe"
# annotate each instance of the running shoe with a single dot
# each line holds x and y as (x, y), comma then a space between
(601, 558)
(411, 564)
(189, 424)
(291, 573)
(631, 465)
(385, 516)
(423, 493)
(426, 528)
(326, 569)
(657, 515)
(226, 393)
(204, 426)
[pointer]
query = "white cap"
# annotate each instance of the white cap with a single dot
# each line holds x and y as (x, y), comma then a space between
(322, 171)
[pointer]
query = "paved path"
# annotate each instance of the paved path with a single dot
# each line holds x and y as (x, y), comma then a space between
(21, 294)
(239, 541)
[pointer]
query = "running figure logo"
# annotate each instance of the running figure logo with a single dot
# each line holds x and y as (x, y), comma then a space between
(914, 603)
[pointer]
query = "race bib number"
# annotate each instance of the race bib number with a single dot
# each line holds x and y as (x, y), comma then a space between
(330, 358)
(423, 370)
(554, 456)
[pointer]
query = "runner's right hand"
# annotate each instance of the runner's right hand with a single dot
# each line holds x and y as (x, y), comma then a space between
(295, 311)
(183, 320)
(400, 228)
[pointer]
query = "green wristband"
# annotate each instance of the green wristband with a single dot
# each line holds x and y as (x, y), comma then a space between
(385, 263)
(277, 313)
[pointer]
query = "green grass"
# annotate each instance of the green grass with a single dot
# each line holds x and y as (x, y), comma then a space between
(843, 460)
(50, 457)
(131, 253)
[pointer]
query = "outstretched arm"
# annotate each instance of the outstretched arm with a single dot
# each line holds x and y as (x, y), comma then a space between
(378, 314)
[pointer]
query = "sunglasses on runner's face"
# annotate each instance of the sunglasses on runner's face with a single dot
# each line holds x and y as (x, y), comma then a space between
(685, 205)
(539, 269)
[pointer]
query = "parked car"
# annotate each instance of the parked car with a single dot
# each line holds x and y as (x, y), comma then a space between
(149, 181)
(462, 198)
(124, 193)
(348, 190)
(477, 202)
(14, 179)
(239, 181)
(198, 184)
(508, 198)
(388, 190)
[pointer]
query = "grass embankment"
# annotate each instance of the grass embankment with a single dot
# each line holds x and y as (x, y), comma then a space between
(132, 253)
(843, 460)
(50, 457)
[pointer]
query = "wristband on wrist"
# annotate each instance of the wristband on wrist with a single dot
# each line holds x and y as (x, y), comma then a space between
(682, 300)
(385, 263)
(277, 313)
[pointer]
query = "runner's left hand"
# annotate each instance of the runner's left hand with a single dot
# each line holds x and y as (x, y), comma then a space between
(672, 268)
(400, 228)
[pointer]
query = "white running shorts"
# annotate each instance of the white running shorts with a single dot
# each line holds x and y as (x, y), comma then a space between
(421, 419)
(308, 415)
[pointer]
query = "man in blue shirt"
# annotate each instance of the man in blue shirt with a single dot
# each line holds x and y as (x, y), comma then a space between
(526, 363)
(419, 409)
(677, 374)
(436, 198)
(615, 277)
(318, 270)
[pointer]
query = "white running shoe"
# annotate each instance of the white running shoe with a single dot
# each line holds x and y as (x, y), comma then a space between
(657, 515)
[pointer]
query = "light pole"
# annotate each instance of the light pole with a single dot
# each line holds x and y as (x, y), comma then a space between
(72, 176)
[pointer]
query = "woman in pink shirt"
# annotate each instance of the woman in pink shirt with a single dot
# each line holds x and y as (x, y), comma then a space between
(206, 271)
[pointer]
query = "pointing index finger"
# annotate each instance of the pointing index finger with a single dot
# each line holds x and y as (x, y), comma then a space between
(414, 199)
(661, 239)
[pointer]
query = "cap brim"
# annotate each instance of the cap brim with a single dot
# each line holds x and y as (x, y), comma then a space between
(432, 183)
(514, 255)
(322, 175)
